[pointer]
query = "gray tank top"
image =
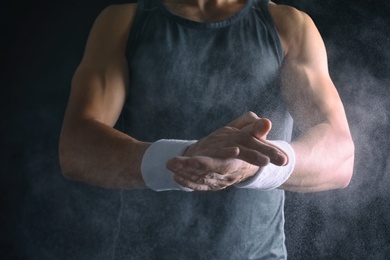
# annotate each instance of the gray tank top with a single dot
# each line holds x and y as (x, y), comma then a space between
(186, 80)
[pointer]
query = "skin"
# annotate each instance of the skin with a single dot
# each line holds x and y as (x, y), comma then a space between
(92, 151)
(216, 162)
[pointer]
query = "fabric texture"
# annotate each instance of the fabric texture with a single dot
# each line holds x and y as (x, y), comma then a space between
(153, 167)
(272, 176)
(188, 79)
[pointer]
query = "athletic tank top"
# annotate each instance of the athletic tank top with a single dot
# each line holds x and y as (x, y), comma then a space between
(188, 79)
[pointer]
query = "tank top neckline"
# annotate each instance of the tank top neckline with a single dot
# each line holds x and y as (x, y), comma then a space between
(204, 25)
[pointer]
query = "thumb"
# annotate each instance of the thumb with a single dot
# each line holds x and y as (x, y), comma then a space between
(260, 128)
(244, 120)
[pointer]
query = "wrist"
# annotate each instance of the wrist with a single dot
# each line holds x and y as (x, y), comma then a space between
(153, 166)
(272, 176)
(253, 169)
(188, 151)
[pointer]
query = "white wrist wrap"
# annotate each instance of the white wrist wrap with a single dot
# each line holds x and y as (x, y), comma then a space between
(272, 176)
(153, 166)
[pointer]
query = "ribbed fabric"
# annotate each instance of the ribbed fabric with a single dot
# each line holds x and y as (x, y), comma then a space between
(186, 80)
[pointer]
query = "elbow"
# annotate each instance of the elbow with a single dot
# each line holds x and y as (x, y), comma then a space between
(345, 178)
(67, 163)
(347, 165)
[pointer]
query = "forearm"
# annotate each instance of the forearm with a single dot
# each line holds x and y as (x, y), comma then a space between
(324, 160)
(97, 154)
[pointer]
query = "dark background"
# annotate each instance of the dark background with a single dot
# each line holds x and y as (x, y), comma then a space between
(43, 43)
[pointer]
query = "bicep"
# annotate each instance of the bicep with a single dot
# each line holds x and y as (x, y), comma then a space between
(100, 82)
(307, 87)
(98, 93)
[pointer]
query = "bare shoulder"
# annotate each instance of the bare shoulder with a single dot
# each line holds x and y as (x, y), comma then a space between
(291, 24)
(115, 19)
(119, 9)
(110, 30)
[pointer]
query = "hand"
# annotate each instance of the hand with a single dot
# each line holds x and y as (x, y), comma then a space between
(227, 156)
(243, 138)
(204, 173)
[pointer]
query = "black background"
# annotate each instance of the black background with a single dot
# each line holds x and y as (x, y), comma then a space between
(42, 43)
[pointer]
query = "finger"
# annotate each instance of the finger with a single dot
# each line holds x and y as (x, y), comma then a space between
(259, 129)
(215, 173)
(280, 157)
(253, 156)
(223, 152)
(176, 163)
(202, 165)
(197, 167)
(191, 168)
(201, 169)
(274, 153)
(181, 163)
(188, 176)
(244, 120)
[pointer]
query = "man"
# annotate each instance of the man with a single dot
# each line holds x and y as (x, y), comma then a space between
(176, 74)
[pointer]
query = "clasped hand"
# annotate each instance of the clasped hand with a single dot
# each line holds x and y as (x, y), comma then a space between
(227, 156)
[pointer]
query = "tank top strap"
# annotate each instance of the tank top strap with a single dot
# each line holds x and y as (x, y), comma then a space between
(262, 10)
(142, 7)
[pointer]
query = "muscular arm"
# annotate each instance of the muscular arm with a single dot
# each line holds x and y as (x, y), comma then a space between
(324, 150)
(91, 150)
